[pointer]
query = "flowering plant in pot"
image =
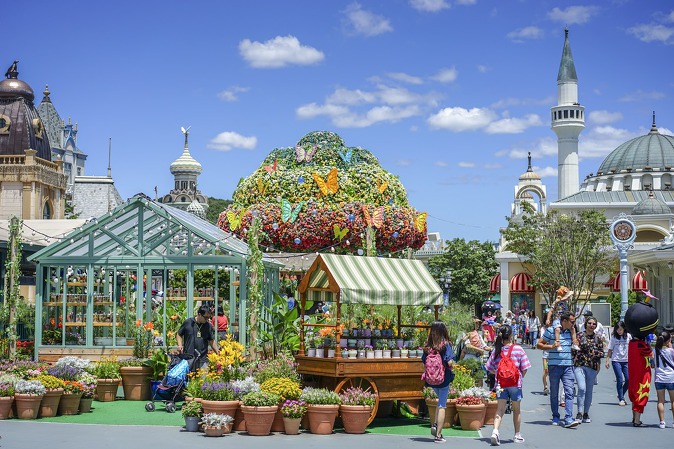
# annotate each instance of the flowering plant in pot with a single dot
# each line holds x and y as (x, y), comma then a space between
(323, 405)
(33, 387)
(282, 386)
(477, 392)
(106, 368)
(212, 390)
(429, 393)
(259, 409)
(73, 387)
(283, 365)
(6, 398)
(192, 412)
(260, 399)
(469, 400)
(242, 387)
(50, 382)
(356, 409)
(292, 411)
(65, 372)
(358, 396)
(471, 411)
(28, 395)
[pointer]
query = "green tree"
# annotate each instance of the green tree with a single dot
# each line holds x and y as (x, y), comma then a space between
(562, 249)
(215, 207)
(472, 265)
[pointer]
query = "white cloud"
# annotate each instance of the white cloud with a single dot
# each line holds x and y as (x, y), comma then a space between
(546, 172)
(492, 166)
(229, 140)
(460, 119)
(466, 2)
(446, 75)
(404, 162)
(511, 101)
(405, 78)
(530, 32)
(604, 117)
(641, 95)
(541, 148)
(351, 97)
(231, 94)
(573, 15)
(278, 52)
(511, 125)
(653, 32)
(599, 141)
(366, 23)
(665, 131)
(429, 5)
(463, 164)
(483, 68)
(440, 163)
(312, 110)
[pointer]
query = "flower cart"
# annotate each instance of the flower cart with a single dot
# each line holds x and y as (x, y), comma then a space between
(374, 281)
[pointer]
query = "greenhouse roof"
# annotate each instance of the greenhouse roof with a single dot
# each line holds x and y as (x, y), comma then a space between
(144, 229)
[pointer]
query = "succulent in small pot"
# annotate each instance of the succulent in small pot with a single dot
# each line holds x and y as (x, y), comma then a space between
(216, 420)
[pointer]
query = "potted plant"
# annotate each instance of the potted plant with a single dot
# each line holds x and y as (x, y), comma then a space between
(28, 395)
(70, 401)
(395, 352)
(6, 399)
(474, 367)
(241, 388)
(470, 410)
(135, 372)
(89, 383)
(293, 411)
(52, 396)
(490, 411)
(107, 372)
(192, 412)
(369, 352)
(385, 349)
(323, 406)
(216, 424)
(218, 397)
(159, 362)
(286, 389)
(259, 408)
(356, 409)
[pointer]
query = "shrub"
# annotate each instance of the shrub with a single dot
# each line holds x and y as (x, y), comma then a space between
(6, 390)
(192, 408)
(216, 391)
(65, 372)
(74, 361)
(320, 396)
(24, 369)
(283, 365)
(474, 367)
(282, 386)
(358, 396)
(107, 368)
(260, 399)
(50, 382)
(462, 379)
(293, 409)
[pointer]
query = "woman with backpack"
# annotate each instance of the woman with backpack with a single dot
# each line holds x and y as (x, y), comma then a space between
(438, 361)
(664, 373)
(510, 363)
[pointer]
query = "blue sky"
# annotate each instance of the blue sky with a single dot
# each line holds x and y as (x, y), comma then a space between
(448, 94)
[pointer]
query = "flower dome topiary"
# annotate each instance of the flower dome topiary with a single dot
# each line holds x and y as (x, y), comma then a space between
(321, 194)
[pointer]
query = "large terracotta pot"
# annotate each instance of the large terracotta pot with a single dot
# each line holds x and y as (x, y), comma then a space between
(490, 412)
(106, 389)
(291, 426)
(136, 382)
(355, 417)
(6, 406)
(277, 425)
(451, 416)
(50, 403)
(322, 418)
(69, 404)
(27, 405)
(471, 416)
(85, 405)
(220, 407)
(259, 419)
(239, 420)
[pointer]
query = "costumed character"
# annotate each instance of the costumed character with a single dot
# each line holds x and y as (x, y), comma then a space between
(489, 320)
(641, 320)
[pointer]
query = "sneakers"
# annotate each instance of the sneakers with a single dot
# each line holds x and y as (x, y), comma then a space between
(518, 438)
(546, 392)
(559, 348)
(579, 417)
(662, 426)
(575, 347)
(622, 403)
(562, 404)
(440, 439)
(570, 423)
(434, 428)
(555, 421)
(586, 418)
(495, 440)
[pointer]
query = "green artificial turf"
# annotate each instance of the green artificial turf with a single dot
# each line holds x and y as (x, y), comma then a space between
(134, 413)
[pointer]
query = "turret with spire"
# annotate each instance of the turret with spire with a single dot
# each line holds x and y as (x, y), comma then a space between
(185, 172)
(568, 121)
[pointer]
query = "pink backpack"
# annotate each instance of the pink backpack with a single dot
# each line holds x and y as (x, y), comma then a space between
(434, 369)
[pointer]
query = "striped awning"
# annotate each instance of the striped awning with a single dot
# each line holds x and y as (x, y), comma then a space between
(370, 280)
(615, 283)
(639, 282)
(495, 284)
(520, 284)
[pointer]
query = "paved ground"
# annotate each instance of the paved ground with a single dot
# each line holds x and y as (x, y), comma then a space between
(611, 427)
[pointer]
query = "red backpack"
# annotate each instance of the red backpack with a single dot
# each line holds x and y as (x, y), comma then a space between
(507, 373)
(434, 369)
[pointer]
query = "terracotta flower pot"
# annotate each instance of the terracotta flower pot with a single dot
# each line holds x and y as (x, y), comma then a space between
(220, 407)
(239, 420)
(136, 382)
(471, 416)
(27, 405)
(50, 403)
(259, 419)
(85, 405)
(277, 425)
(291, 426)
(322, 418)
(106, 389)
(212, 431)
(355, 417)
(69, 404)
(451, 416)
(6, 406)
(490, 412)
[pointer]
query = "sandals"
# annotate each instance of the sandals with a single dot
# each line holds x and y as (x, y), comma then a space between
(637, 424)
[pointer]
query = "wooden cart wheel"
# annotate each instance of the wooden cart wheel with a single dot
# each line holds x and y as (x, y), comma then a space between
(366, 384)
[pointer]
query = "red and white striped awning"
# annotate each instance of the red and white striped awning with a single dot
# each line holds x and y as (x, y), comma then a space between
(639, 282)
(520, 284)
(615, 284)
(495, 284)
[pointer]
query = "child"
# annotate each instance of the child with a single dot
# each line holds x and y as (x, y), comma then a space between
(488, 325)
(504, 341)
(438, 341)
(559, 306)
(664, 373)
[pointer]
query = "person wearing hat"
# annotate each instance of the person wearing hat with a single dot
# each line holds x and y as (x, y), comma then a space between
(560, 306)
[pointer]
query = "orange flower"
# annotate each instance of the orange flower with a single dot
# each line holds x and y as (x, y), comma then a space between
(149, 326)
(138, 322)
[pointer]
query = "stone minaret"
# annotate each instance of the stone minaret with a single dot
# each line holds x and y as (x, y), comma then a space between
(568, 121)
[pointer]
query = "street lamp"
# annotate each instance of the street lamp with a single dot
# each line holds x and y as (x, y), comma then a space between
(445, 281)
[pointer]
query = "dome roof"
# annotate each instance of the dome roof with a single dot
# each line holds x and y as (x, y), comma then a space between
(185, 163)
(650, 152)
(197, 209)
(651, 206)
(530, 175)
(10, 88)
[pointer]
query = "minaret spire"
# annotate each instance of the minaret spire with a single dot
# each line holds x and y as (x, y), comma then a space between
(529, 169)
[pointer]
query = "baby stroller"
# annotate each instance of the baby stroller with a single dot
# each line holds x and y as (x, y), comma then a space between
(170, 390)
